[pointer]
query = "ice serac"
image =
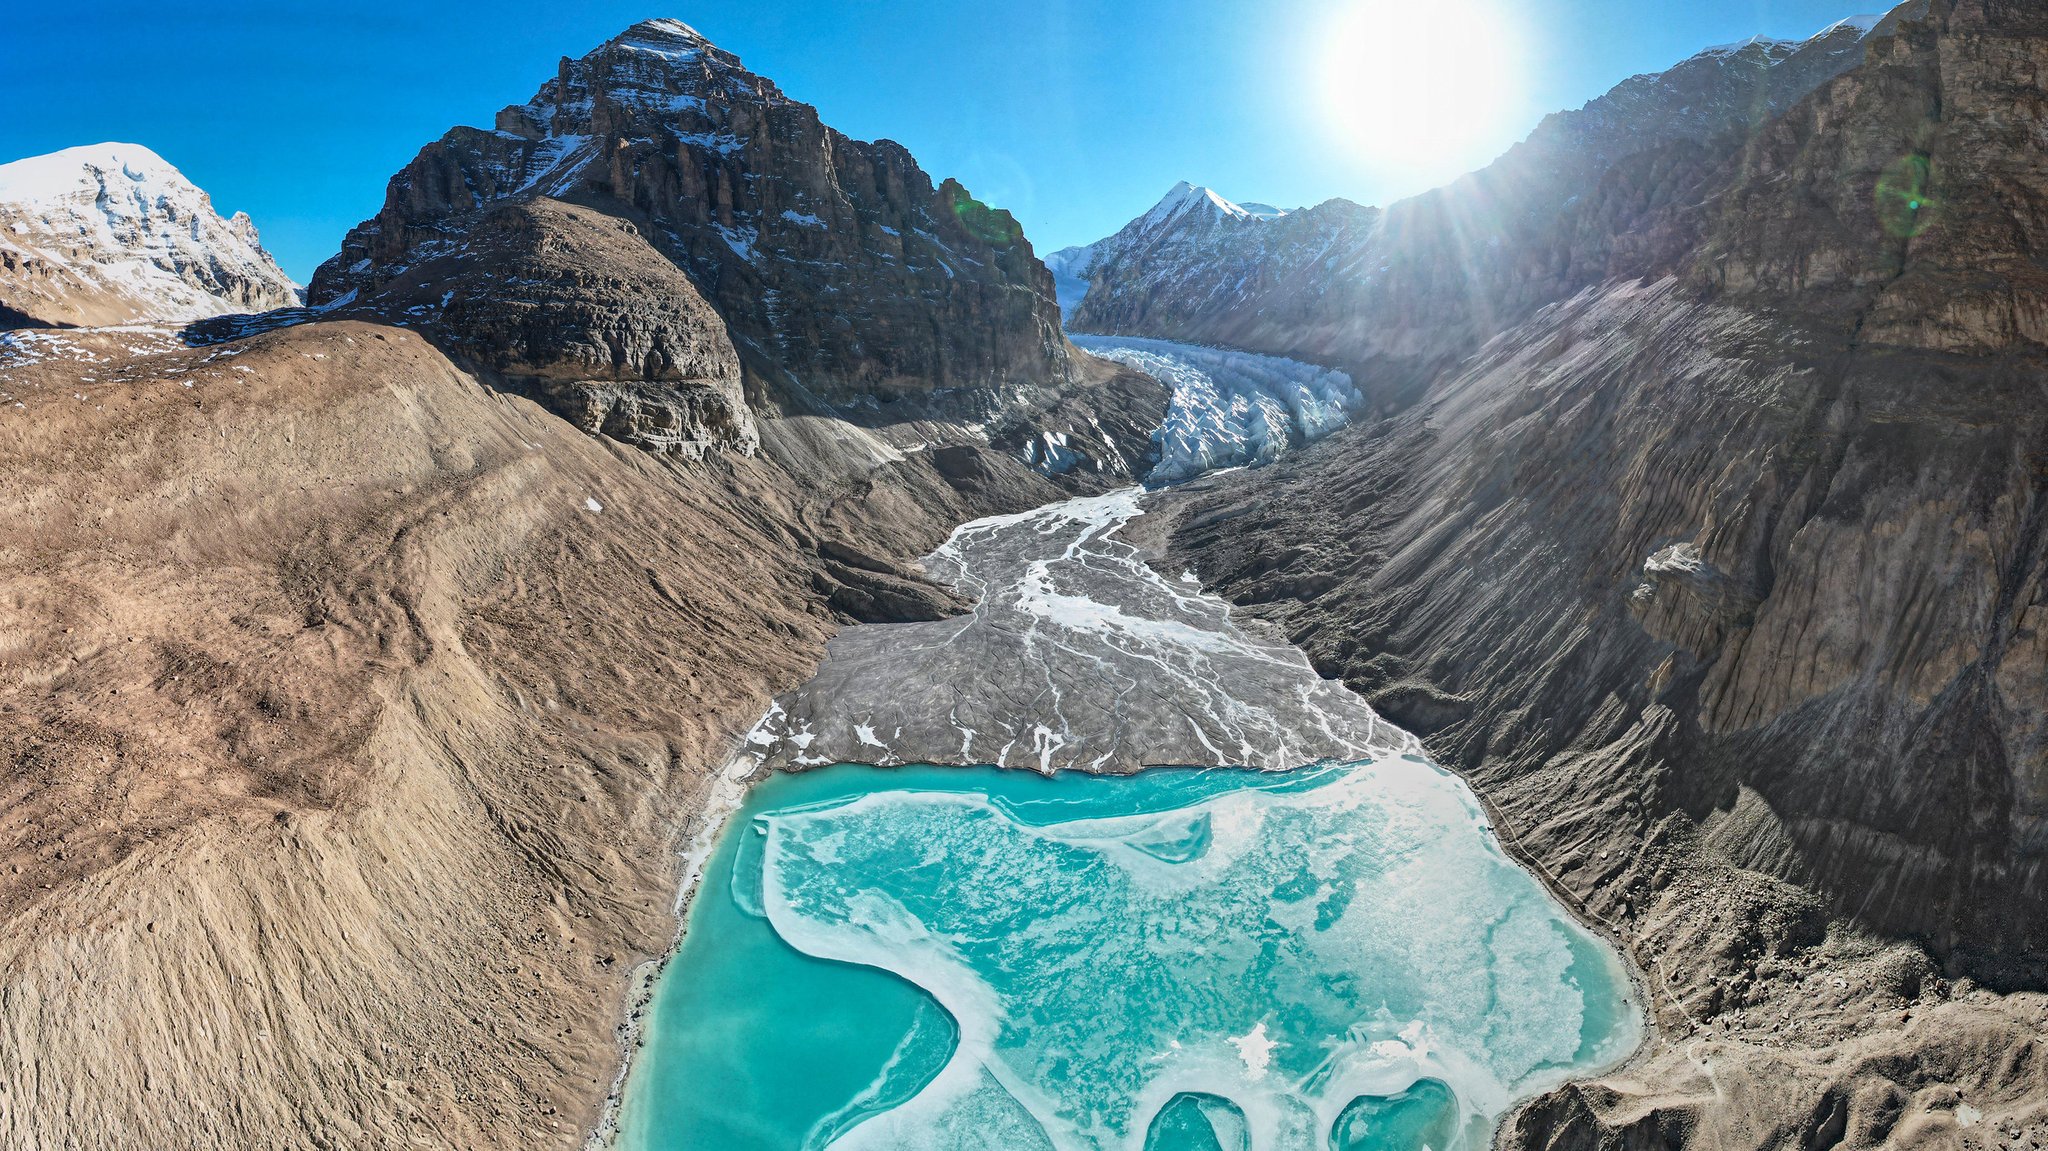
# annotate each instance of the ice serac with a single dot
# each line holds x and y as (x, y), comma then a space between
(1395, 296)
(1231, 409)
(112, 234)
(848, 283)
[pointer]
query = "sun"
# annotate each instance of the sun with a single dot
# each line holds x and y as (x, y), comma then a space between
(1422, 91)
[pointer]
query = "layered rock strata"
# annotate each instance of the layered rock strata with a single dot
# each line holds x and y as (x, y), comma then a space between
(848, 280)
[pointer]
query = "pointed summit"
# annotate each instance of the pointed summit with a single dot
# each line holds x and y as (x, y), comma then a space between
(664, 28)
(1189, 218)
(1184, 198)
(663, 37)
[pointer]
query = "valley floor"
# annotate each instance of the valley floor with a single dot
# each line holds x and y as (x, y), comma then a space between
(1080, 658)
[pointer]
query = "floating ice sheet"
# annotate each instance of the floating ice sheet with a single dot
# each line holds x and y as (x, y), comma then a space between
(1320, 960)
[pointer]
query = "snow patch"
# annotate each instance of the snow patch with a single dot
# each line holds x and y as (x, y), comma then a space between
(1256, 1050)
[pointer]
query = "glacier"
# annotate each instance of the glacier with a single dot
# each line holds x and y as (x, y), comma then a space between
(1231, 408)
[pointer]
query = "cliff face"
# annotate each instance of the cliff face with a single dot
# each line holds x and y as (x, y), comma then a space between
(574, 306)
(732, 269)
(1726, 583)
(111, 234)
(840, 269)
(1923, 191)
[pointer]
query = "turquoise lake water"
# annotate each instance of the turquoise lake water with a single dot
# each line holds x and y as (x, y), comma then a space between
(1339, 957)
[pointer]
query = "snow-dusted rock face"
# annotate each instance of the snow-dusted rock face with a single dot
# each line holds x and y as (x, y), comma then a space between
(837, 264)
(112, 234)
(1231, 409)
(1411, 290)
(1071, 268)
(1190, 221)
(847, 283)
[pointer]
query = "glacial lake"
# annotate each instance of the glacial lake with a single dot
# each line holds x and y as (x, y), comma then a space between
(1339, 957)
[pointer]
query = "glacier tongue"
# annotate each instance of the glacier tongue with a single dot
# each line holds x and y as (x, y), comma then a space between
(1230, 408)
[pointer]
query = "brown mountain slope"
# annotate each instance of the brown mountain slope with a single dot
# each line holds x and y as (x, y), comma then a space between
(1726, 585)
(354, 713)
(358, 704)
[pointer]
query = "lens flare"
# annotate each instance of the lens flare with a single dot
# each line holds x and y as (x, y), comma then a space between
(1904, 207)
(1423, 91)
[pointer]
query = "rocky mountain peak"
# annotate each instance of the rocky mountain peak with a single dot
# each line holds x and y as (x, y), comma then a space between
(843, 276)
(113, 233)
(653, 69)
(1187, 219)
(663, 34)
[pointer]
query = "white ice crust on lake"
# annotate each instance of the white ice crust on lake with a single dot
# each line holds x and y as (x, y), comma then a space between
(1282, 950)
(1293, 951)
(1231, 408)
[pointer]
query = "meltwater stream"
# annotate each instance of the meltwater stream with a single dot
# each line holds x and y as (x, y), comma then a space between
(1337, 957)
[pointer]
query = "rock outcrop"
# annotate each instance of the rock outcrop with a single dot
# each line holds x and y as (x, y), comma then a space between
(576, 308)
(111, 234)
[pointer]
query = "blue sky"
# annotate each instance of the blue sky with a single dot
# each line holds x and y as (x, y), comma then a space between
(1076, 116)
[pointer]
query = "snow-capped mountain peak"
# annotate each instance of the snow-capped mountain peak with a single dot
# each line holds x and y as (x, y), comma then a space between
(1862, 25)
(1185, 198)
(53, 178)
(663, 32)
(1734, 46)
(113, 233)
(1185, 209)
